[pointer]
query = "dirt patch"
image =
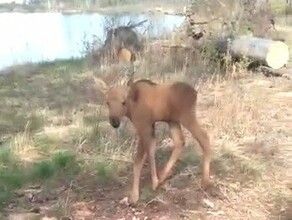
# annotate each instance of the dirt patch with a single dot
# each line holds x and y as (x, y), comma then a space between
(249, 121)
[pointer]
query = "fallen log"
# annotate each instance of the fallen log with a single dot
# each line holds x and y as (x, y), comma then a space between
(274, 54)
(277, 73)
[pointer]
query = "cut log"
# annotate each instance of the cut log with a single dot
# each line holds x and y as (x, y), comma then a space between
(274, 54)
(278, 73)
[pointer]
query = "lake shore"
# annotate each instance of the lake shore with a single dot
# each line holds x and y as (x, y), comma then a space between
(139, 8)
(279, 8)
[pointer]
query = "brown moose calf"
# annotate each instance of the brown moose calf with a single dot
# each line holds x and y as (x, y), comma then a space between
(144, 103)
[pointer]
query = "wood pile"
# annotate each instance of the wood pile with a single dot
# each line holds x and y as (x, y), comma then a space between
(240, 28)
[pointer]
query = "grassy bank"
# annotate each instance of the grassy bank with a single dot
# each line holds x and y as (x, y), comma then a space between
(51, 127)
(58, 149)
(280, 7)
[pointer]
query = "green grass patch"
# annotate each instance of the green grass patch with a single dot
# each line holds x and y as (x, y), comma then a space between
(43, 170)
(94, 136)
(60, 163)
(242, 168)
(63, 64)
(45, 87)
(45, 144)
(105, 170)
(280, 7)
(64, 160)
(147, 194)
(91, 120)
(13, 174)
(189, 157)
(13, 121)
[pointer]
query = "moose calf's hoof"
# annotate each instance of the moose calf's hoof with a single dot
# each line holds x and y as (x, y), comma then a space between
(134, 199)
(162, 176)
(206, 183)
(124, 201)
(155, 184)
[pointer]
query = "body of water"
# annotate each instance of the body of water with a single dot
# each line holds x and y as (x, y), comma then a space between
(36, 37)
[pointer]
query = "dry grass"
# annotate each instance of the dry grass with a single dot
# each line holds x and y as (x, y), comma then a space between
(72, 144)
(248, 151)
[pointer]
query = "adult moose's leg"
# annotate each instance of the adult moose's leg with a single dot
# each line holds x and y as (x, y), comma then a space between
(191, 123)
(178, 140)
(138, 164)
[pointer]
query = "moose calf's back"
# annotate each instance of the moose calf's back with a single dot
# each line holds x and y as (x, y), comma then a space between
(166, 101)
(182, 95)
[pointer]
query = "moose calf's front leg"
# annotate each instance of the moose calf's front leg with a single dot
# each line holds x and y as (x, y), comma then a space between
(147, 135)
(138, 164)
(150, 145)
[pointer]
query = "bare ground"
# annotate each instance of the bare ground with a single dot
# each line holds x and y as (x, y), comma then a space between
(250, 123)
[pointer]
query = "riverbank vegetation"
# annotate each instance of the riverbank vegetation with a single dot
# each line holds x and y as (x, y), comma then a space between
(60, 158)
(101, 6)
(280, 7)
(59, 154)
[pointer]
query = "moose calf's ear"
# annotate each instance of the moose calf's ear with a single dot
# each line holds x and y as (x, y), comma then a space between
(130, 82)
(101, 85)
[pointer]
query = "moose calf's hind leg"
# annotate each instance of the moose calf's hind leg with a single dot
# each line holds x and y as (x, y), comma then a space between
(191, 123)
(138, 164)
(178, 140)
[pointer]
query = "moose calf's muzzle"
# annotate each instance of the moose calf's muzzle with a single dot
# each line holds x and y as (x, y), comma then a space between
(114, 121)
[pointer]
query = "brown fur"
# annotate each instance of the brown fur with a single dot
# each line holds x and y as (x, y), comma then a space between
(125, 55)
(144, 103)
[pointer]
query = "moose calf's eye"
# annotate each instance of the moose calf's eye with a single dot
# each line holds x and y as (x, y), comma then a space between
(123, 103)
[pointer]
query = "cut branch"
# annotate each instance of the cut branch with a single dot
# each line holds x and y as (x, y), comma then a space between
(137, 24)
(192, 22)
